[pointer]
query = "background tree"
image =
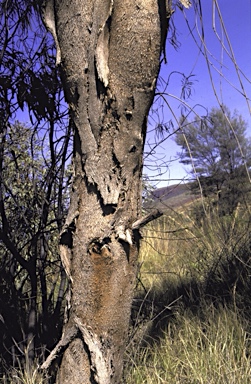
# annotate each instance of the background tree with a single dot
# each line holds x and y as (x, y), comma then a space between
(33, 282)
(217, 148)
(33, 185)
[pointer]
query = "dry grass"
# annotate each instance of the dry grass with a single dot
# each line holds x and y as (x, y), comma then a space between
(194, 313)
(177, 245)
(191, 316)
(24, 374)
(214, 350)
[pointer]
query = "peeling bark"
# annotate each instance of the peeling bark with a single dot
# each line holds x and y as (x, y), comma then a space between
(110, 54)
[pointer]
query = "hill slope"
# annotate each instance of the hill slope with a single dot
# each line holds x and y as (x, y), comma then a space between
(172, 196)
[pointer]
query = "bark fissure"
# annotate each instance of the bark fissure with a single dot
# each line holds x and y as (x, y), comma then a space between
(101, 362)
(68, 335)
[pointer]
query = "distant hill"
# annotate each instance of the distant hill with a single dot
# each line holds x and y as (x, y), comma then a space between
(172, 196)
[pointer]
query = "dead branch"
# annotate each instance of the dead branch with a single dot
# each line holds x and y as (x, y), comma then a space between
(146, 219)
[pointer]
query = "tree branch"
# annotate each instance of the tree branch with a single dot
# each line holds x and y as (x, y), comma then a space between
(146, 219)
(68, 335)
(14, 251)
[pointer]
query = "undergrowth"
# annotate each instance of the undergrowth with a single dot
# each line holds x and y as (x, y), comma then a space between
(24, 372)
(192, 308)
(191, 314)
(213, 350)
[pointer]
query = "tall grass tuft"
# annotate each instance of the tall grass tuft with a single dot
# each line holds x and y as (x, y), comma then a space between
(192, 306)
(212, 350)
(25, 372)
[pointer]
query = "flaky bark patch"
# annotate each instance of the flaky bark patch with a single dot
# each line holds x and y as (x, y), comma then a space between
(110, 61)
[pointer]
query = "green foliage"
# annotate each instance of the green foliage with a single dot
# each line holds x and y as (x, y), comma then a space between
(29, 78)
(219, 152)
(147, 191)
(34, 186)
(34, 193)
(33, 202)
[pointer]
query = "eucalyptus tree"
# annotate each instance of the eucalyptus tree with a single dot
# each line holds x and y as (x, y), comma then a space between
(109, 79)
(109, 57)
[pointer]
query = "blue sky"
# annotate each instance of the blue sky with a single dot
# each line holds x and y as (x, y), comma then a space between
(188, 60)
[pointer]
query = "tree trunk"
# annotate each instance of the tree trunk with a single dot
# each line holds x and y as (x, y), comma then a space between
(109, 53)
(32, 316)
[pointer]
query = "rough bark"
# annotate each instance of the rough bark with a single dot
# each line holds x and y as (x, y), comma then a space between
(109, 52)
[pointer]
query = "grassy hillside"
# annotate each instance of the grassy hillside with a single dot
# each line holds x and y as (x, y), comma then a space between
(191, 314)
(173, 196)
